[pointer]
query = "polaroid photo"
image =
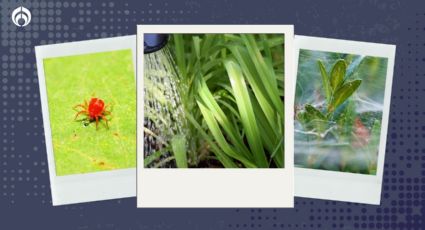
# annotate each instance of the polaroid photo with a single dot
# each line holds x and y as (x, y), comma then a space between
(88, 97)
(342, 102)
(215, 116)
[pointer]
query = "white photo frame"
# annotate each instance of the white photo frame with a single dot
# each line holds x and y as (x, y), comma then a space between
(344, 186)
(86, 187)
(217, 187)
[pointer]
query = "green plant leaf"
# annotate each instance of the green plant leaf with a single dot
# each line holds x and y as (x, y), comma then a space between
(261, 93)
(222, 157)
(197, 46)
(208, 42)
(153, 157)
(266, 47)
(216, 111)
(178, 144)
(180, 53)
(246, 111)
(219, 137)
(267, 75)
(314, 113)
(261, 60)
(163, 162)
(325, 81)
(338, 74)
(343, 93)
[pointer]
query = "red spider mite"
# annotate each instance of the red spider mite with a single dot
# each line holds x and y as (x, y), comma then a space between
(95, 110)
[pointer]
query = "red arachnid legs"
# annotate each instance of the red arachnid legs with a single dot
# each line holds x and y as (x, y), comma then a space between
(95, 110)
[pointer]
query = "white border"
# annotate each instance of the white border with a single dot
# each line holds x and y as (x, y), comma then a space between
(342, 186)
(87, 187)
(205, 187)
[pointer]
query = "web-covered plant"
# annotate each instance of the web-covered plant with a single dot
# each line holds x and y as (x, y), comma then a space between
(338, 122)
(337, 91)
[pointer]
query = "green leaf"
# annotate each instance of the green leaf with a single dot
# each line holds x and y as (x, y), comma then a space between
(178, 144)
(314, 113)
(208, 42)
(180, 53)
(261, 61)
(219, 137)
(197, 46)
(343, 93)
(325, 81)
(265, 44)
(222, 157)
(267, 75)
(256, 83)
(153, 157)
(337, 74)
(240, 91)
(216, 111)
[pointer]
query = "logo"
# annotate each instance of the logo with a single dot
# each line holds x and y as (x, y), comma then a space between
(21, 16)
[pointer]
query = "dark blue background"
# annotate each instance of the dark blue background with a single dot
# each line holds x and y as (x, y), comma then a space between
(24, 184)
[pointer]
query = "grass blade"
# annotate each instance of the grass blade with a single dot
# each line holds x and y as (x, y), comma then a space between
(246, 111)
(178, 144)
(180, 53)
(256, 84)
(218, 136)
(209, 101)
(264, 72)
(221, 156)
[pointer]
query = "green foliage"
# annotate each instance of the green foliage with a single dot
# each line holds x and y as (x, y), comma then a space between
(72, 79)
(343, 93)
(314, 113)
(179, 149)
(231, 89)
(246, 112)
(338, 121)
(337, 74)
(325, 80)
(337, 91)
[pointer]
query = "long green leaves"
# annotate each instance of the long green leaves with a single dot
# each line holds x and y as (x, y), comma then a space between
(180, 53)
(233, 100)
(265, 73)
(222, 157)
(246, 111)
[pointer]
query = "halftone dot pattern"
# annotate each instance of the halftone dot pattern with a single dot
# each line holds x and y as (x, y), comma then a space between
(403, 191)
(24, 171)
(20, 95)
(24, 183)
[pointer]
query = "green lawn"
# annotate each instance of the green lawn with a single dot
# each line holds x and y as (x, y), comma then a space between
(71, 80)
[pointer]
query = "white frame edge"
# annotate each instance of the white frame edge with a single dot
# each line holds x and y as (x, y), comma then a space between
(205, 187)
(86, 187)
(341, 186)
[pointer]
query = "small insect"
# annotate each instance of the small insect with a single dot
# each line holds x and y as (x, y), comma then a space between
(95, 110)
